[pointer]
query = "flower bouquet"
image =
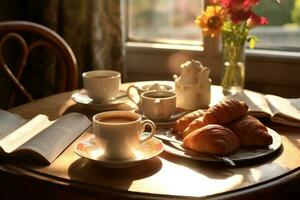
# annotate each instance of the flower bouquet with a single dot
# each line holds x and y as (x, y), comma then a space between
(233, 19)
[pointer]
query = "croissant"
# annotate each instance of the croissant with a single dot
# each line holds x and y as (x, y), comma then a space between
(220, 113)
(212, 138)
(250, 131)
(184, 121)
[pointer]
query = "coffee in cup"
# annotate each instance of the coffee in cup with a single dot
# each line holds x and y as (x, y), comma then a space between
(119, 133)
(158, 105)
(101, 85)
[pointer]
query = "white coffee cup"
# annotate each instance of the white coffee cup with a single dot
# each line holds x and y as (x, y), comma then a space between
(158, 105)
(101, 85)
(119, 133)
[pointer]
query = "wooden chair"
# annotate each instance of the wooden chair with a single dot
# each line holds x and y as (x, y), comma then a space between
(30, 36)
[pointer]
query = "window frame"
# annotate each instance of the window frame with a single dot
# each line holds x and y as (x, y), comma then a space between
(147, 61)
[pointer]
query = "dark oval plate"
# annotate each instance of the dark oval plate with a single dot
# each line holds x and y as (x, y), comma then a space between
(242, 154)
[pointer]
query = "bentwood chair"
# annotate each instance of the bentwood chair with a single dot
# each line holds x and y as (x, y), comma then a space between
(29, 37)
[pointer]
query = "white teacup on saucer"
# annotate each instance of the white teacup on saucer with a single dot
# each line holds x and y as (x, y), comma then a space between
(119, 133)
(157, 105)
(101, 85)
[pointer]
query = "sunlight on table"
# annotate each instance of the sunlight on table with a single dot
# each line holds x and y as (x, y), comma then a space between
(181, 180)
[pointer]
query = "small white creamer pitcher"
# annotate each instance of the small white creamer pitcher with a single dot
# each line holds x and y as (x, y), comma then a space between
(192, 87)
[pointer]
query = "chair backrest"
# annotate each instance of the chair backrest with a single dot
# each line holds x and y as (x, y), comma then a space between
(19, 32)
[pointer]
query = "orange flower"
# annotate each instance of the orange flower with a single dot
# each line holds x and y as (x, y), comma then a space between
(211, 21)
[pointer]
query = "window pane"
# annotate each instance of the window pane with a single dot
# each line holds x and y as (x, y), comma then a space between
(166, 21)
(283, 31)
(172, 21)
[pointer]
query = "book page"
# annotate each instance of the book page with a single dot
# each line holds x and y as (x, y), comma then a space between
(22, 134)
(56, 138)
(286, 121)
(257, 103)
(9, 122)
(287, 109)
(295, 102)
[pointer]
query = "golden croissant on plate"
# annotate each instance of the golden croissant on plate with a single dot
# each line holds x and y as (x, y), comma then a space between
(250, 131)
(213, 139)
(220, 113)
(184, 121)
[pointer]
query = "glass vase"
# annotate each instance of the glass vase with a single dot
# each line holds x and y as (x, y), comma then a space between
(233, 68)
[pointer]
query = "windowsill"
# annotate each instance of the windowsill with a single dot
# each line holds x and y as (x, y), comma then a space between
(132, 46)
(273, 54)
(257, 53)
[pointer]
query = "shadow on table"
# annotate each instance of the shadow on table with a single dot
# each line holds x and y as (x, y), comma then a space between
(89, 172)
(81, 109)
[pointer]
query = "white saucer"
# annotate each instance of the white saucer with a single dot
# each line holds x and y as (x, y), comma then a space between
(174, 117)
(89, 149)
(82, 98)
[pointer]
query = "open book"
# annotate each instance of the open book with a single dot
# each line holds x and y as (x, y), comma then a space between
(280, 110)
(39, 139)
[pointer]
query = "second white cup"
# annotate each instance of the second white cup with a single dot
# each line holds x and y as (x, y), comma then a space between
(101, 85)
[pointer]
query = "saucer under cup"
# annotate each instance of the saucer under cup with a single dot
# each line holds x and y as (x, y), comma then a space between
(89, 149)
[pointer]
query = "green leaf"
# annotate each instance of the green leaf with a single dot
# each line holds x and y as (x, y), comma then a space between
(252, 41)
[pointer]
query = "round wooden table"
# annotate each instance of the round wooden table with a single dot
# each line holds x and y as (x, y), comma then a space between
(164, 177)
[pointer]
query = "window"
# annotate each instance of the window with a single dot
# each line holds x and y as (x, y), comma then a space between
(283, 30)
(161, 35)
(172, 21)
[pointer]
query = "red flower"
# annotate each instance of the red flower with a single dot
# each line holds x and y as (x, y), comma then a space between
(238, 9)
(238, 4)
(239, 15)
(248, 4)
(256, 20)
